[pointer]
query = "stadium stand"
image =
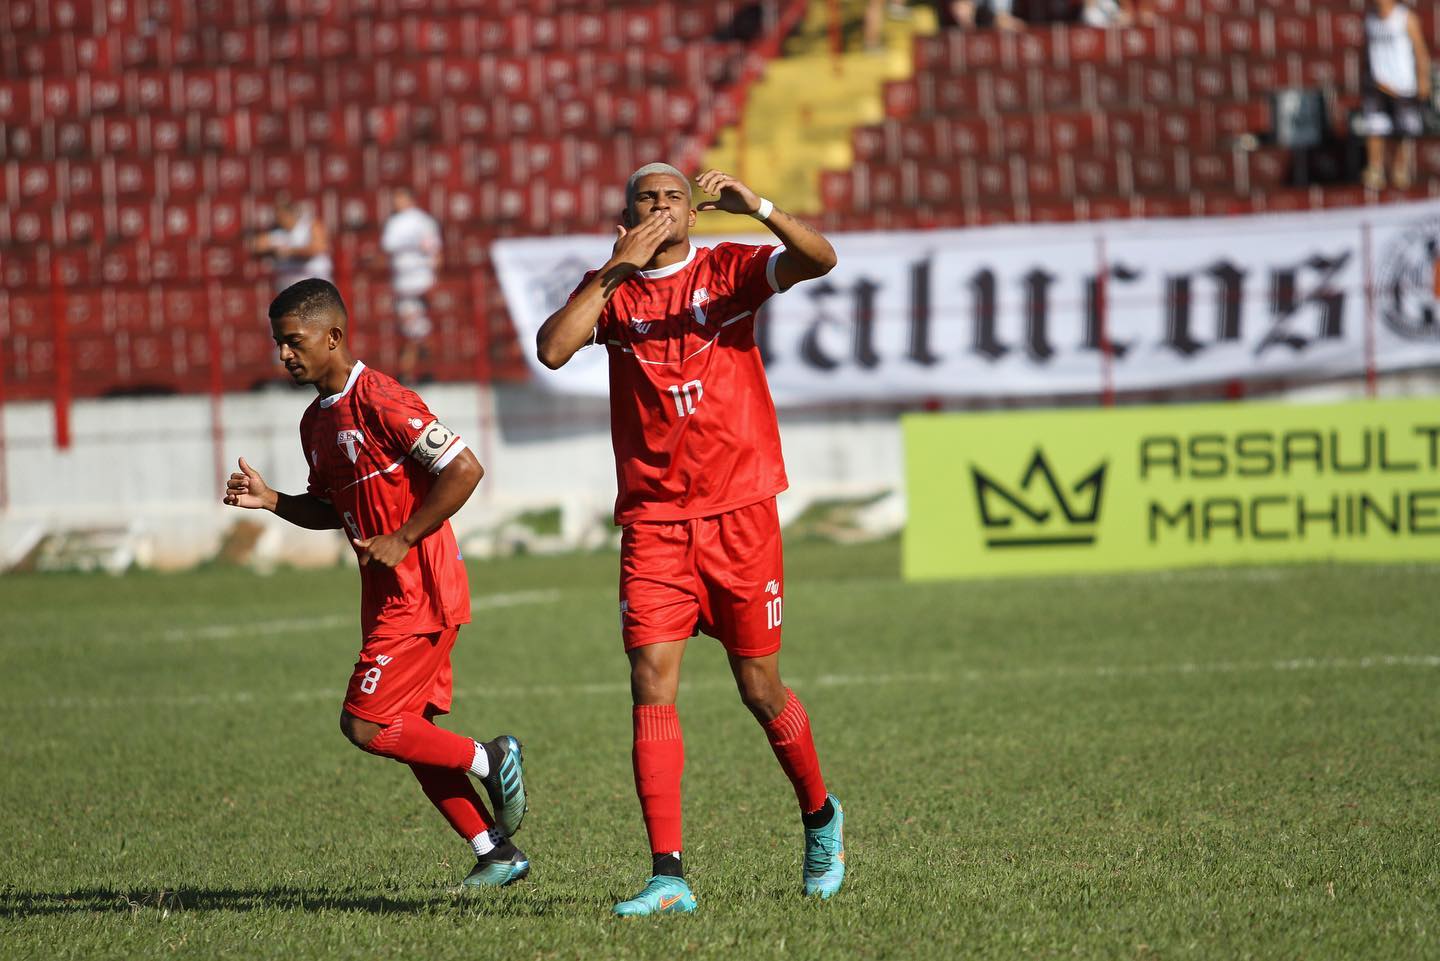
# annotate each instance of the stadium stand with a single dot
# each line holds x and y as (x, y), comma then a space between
(143, 140)
(1069, 123)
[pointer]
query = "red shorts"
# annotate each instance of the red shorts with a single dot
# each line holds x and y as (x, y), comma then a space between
(723, 575)
(402, 673)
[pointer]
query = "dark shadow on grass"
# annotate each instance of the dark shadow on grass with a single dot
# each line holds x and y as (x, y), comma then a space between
(519, 901)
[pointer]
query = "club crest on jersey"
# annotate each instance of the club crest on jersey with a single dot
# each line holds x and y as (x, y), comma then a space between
(641, 327)
(351, 441)
(698, 300)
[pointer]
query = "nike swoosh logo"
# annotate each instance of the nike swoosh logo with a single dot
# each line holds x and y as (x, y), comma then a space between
(666, 902)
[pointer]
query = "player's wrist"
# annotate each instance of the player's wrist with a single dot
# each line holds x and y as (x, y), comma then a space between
(764, 210)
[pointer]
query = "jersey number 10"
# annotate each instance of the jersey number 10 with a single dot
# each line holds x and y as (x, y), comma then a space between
(683, 397)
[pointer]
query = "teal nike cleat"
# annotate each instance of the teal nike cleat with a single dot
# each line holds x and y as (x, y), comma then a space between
(825, 854)
(504, 865)
(662, 895)
(505, 785)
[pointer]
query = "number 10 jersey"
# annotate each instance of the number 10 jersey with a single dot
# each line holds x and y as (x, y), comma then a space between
(691, 417)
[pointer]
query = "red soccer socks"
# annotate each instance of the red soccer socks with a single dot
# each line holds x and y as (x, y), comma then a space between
(454, 797)
(789, 734)
(413, 740)
(659, 758)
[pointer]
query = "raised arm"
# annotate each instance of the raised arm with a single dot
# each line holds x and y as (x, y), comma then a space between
(571, 327)
(807, 253)
(452, 488)
(247, 489)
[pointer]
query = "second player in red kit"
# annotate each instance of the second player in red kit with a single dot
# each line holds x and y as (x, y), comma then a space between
(388, 472)
(698, 465)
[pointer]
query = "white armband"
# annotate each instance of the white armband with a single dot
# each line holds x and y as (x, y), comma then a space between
(436, 447)
(764, 211)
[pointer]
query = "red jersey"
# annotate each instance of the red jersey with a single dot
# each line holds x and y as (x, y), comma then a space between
(691, 417)
(374, 450)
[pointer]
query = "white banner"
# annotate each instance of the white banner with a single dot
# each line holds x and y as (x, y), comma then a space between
(1019, 310)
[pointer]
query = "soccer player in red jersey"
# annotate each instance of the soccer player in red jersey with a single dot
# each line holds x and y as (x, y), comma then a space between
(385, 469)
(698, 464)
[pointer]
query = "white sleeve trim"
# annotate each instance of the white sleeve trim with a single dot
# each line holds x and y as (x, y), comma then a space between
(770, 268)
(448, 456)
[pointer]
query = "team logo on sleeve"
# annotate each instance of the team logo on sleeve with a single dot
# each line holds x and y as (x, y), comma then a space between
(350, 440)
(432, 444)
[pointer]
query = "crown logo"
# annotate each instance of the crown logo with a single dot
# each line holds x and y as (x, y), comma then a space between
(1039, 512)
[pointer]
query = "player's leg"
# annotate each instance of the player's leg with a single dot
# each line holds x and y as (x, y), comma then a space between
(787, 727)
(1409, 124)
(1375, 118)
(408, 681)
(742, 567)
(415, 326)
(658, 614)
(658, 756)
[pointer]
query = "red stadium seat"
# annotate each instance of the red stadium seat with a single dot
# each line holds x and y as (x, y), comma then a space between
(124, 177)
(1181, 38)
(1151, 174)
(1097, 176)
(130, 219)
(15, 101)
(1057, 88)
(1072, 132)
(1215, 172)
(36, 183)
(1299, 34)
(131, 308)
(167, 135)
(82, 222)
(180, 176)
(173, 261)
(64, 97)
(152, 92)
(124, 263)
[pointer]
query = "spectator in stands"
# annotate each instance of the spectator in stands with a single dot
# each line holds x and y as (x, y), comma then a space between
(876, 12)
(966, 13)
(411, 239)
(298, 245)
(1118, 13)
(1398, 78)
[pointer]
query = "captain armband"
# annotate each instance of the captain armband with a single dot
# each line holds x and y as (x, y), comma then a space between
(436, 447)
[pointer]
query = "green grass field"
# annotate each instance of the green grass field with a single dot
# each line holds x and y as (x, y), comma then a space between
(1216, 764)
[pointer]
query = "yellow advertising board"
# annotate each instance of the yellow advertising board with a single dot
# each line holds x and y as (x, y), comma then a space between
(1156, 487)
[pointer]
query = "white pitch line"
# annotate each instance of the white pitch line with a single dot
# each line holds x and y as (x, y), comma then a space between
(512, 692)
(299, 625)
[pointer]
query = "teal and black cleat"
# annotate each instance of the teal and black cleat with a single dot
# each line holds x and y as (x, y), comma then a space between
(504, 865)
(662, 895)
(825, 854)
(505, 785)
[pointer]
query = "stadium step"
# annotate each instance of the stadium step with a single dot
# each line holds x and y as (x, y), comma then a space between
(798, 119)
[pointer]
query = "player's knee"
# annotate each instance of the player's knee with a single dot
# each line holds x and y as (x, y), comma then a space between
(650, 683)
(762, 694)
(358, 732)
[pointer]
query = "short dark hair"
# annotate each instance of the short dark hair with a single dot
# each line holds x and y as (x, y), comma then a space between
(308, 299)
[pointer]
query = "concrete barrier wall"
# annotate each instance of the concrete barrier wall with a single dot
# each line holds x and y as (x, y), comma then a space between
(148, 465)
